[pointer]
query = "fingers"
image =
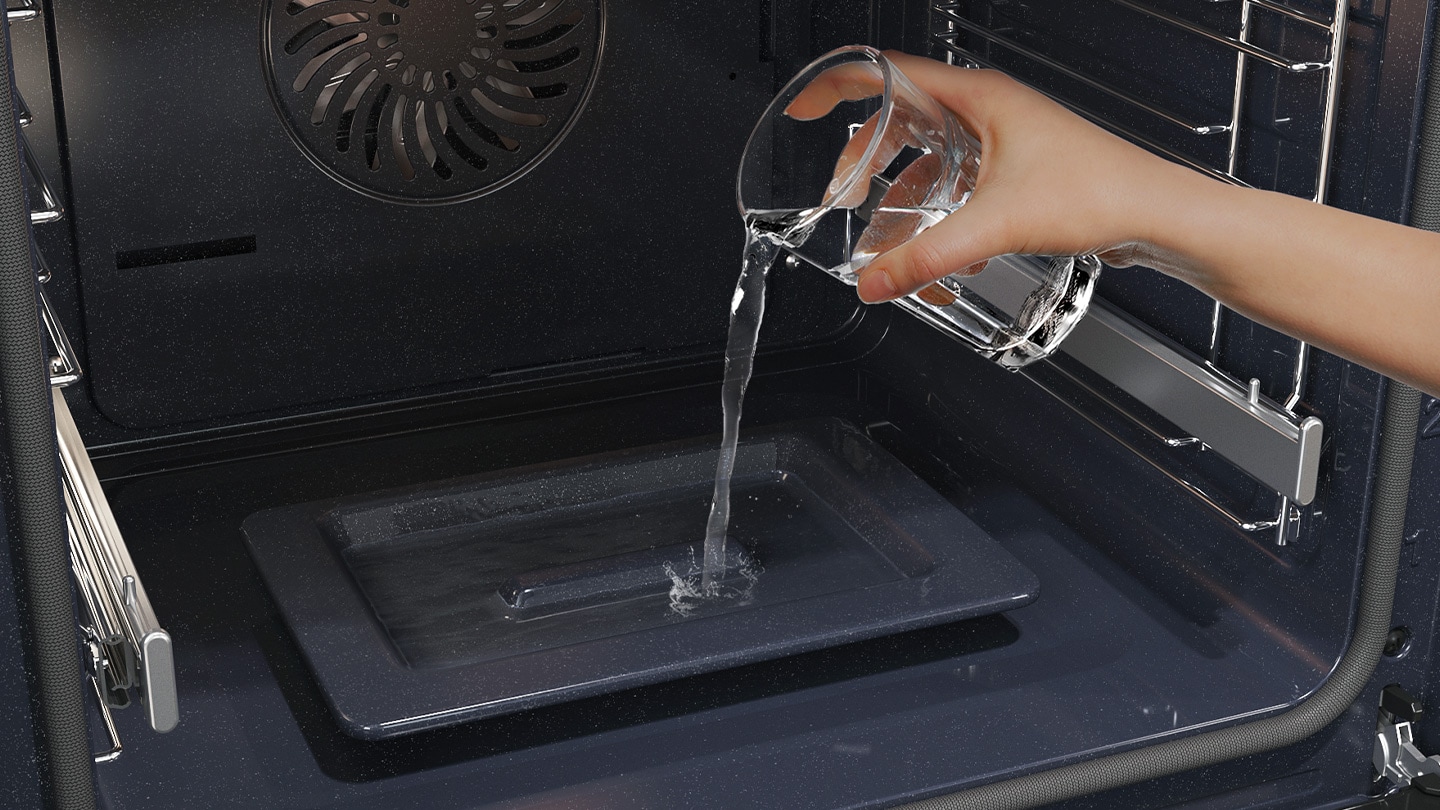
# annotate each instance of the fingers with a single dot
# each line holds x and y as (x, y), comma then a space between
(849, 82)
(859, 80)
(841, 191)
(970, 93)
(894, 220)
(962, 242)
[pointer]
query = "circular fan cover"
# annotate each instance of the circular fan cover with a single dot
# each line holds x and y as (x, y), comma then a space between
(430, 101)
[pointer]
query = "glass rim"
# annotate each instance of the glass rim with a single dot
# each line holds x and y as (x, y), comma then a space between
(802, 79)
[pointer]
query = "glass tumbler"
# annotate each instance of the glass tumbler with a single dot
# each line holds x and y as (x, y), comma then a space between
(885, 163)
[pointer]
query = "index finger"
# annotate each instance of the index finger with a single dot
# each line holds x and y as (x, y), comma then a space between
(849, 82)
(969, 92)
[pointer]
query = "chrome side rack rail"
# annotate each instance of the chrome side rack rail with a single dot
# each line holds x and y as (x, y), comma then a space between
(135, 651)
(127, 651)
(1268, 440)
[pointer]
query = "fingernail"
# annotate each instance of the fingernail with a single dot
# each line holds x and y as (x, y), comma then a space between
(876, 286)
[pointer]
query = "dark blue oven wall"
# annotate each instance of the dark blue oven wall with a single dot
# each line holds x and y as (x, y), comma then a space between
(561, 317)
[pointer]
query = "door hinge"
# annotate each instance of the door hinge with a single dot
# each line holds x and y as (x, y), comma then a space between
(1396, 758)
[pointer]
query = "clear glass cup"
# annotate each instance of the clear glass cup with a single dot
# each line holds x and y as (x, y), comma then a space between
(904, 163)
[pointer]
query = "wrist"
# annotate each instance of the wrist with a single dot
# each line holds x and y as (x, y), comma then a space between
(1181, 220)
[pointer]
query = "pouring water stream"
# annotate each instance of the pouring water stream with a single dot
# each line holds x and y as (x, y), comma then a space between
(765, 236)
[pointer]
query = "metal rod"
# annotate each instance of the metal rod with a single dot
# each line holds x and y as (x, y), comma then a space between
(1169, 441)
(114, 572)
(1322, 174)
(1332, 100)
(1223, 39)
(116, 748)
(1199, 493)
(1217, 333)
(51, 209)
(64, 367)
(1274, 447)
(1131, 134)
(1065, 70)
(89, 592)
(1232, 162)
(1294, 14)
(1237, 99)
(1302, 370)
(1282, 523)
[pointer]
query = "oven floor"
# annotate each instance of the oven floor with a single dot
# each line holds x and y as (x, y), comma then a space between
(1096, 662)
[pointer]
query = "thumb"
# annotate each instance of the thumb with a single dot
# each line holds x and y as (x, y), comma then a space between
(960, 242)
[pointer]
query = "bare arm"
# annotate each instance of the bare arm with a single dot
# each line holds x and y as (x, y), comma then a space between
(1052, 183)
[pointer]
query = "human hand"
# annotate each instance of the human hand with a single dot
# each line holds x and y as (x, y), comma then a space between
(1049, 182)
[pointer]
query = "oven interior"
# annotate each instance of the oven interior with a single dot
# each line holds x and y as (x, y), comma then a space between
(283, 286)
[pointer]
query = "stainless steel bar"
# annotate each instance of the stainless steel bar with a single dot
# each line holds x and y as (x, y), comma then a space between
(1292, 13)
(102, 617)
(1169, 441)
(116, 748)
(1297, 381)
(1224, 39)
(1283, 524)
(1065, 70)
(1273, 446)
(1198, 492)
(107, 616)
(1126, 132)
(42, 267)
(64, 368)
(1232, 162)
(119, 581)
(1217, 333)
(1237, 99)
(1322, 175)
(91, 598)
(1332, 100)
(51, 209)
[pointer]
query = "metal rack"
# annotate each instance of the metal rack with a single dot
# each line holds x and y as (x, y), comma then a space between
(1269, 440)
(126, 647)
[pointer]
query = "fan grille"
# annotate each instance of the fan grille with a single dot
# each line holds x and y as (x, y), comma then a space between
(430, 101)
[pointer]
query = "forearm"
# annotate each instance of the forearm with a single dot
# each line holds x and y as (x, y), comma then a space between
(1362, 288)
(1053, 184)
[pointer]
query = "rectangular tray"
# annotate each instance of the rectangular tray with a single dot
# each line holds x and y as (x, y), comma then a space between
(474, 598)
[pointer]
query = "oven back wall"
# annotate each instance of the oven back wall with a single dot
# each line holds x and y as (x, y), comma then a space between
(623, 243)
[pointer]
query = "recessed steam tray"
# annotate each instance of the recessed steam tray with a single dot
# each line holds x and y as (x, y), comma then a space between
(479, 597)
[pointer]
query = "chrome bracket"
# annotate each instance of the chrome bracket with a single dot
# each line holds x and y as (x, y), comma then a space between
(1395, 756)
(23, 10)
